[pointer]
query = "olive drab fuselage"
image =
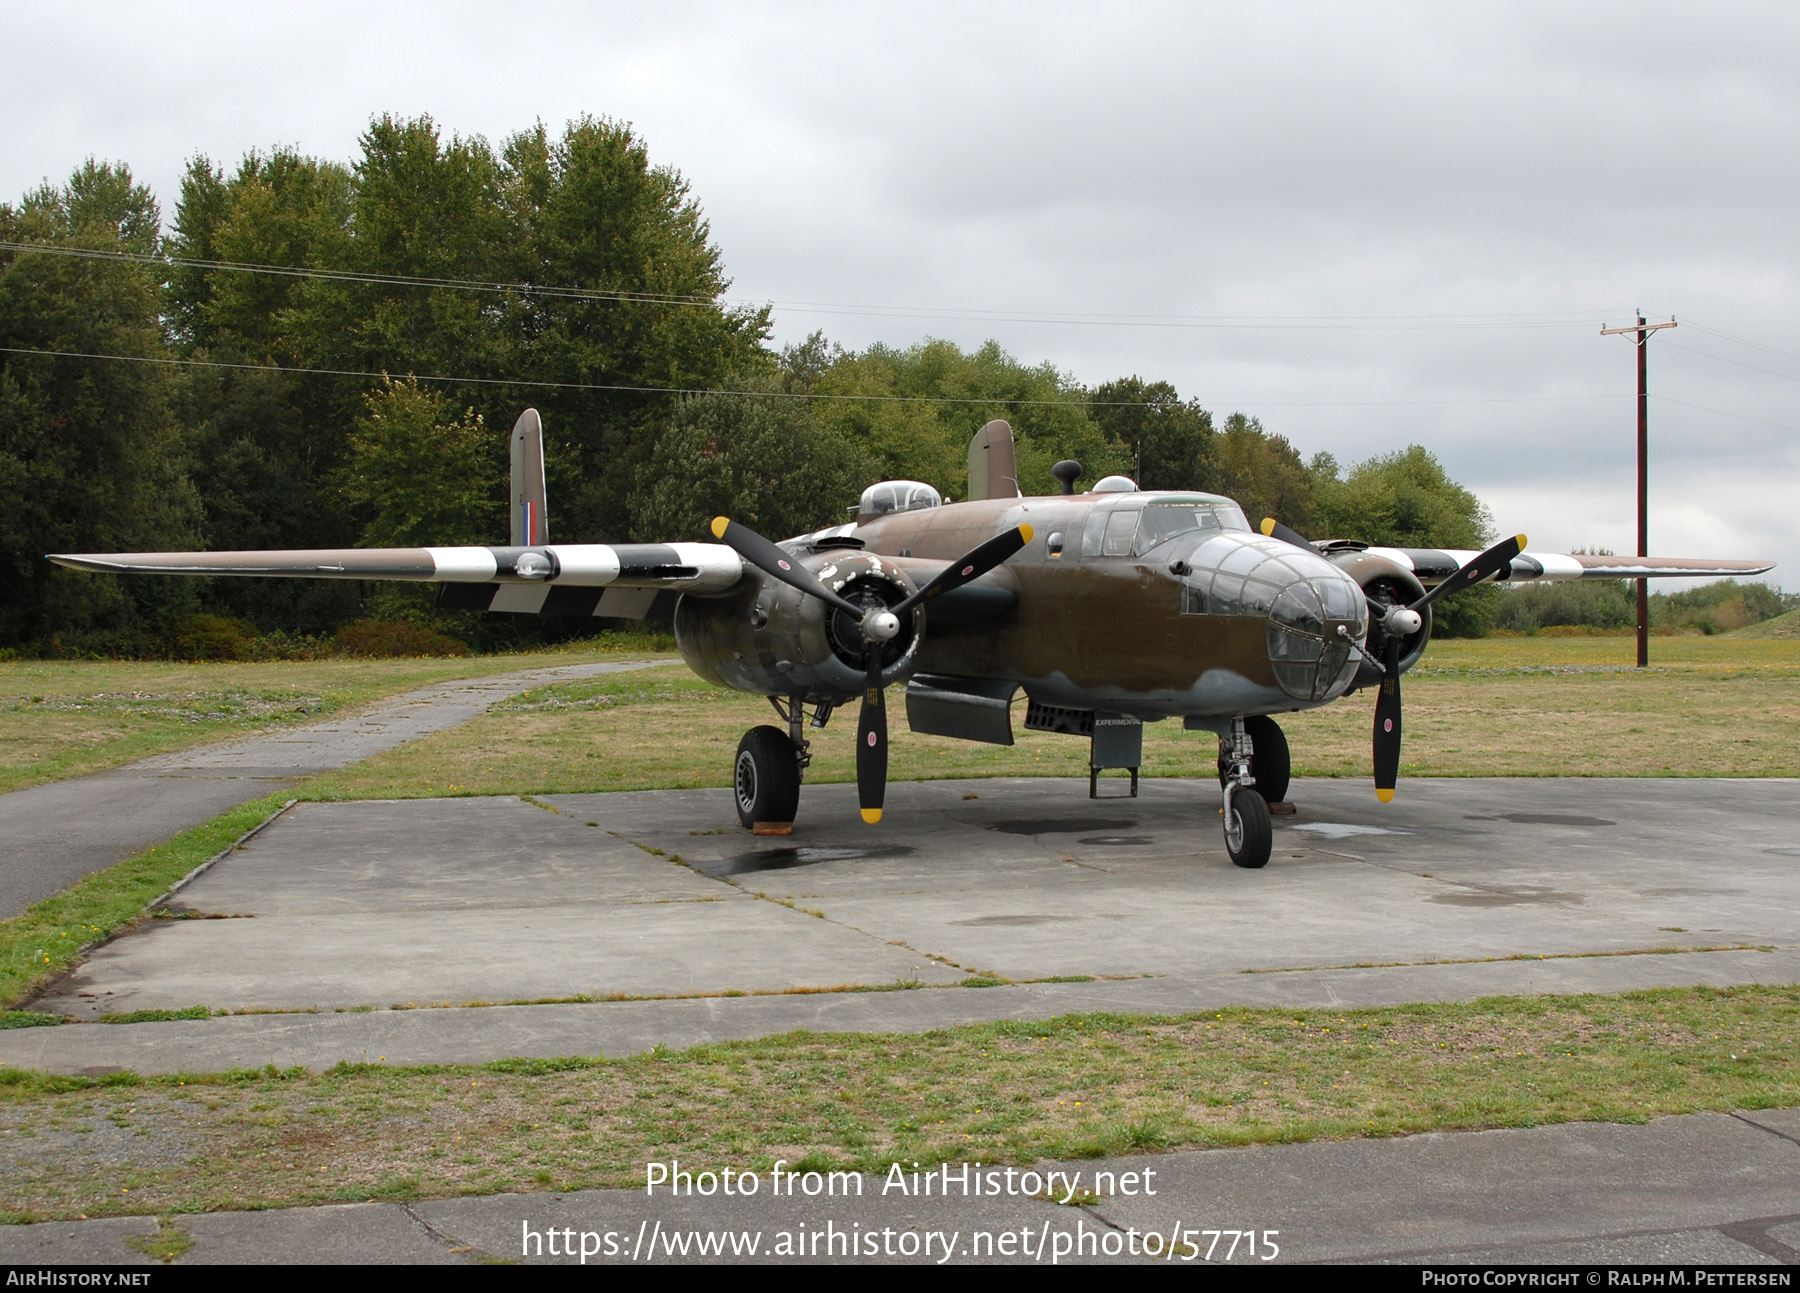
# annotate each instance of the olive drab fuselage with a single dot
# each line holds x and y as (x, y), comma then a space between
(1187, 613)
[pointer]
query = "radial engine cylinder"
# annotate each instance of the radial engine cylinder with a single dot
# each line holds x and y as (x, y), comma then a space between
(1386, 583)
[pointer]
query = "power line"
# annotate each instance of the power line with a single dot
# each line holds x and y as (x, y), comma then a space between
(1744, 341)
(1725, 413)
(1403, 322)
(784, 395)
(549, 385)
(1670, 345)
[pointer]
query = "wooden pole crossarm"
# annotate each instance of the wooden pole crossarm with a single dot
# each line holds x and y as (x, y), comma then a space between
(1636, 327)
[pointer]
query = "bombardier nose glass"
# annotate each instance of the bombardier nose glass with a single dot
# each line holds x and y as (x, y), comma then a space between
(1305, 598)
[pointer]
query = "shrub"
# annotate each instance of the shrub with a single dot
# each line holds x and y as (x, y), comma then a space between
(387, 638)
(211, 637)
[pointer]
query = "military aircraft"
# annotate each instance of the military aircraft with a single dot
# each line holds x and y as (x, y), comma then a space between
(1110, 608)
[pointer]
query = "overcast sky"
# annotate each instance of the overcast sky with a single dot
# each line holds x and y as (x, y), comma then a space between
(1314, 213)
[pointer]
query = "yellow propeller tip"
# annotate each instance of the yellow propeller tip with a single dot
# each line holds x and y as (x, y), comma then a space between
(718, 526)
(871, 815)
(1025, 532)
(1385, 796)
(1268, 525)
(1521, 539)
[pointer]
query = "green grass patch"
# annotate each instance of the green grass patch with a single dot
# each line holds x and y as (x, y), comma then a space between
(155, 1016)
(43, 940)
(1008, 1092)
(170, 1241)
(27, 1019)
(1484, 708)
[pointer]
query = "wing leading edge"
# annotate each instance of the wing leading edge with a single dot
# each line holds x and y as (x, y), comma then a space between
(618, 580)
(1434, 565)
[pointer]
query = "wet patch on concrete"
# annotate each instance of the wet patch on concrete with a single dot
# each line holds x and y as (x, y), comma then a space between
(1539, 819)
(1118, 841)
(1059, 826)
(787, 858)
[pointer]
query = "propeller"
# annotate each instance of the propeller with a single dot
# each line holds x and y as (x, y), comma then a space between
(1400, 622)
(877, 624)
(1276, 530)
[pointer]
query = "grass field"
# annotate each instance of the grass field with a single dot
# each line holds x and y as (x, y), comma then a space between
(1508, 707)
(997, 1093)
(64, 718)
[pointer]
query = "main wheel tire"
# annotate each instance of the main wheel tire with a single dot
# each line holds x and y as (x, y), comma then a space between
(1271, 765)
(1249, 833)
(766, 777)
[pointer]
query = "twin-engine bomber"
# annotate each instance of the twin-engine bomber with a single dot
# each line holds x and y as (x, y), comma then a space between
(1109, 609)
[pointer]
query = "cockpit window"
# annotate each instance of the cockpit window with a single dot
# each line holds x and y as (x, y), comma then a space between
(897, 496)
(1119, 528)
(1172, 519)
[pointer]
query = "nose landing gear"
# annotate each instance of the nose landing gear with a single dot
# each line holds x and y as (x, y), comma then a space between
(1249, 830)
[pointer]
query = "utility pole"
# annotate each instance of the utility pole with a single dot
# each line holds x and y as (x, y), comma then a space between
(1642, 333)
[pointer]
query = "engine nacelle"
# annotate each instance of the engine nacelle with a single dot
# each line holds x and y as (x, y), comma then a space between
(1385, 582)
(772, 639)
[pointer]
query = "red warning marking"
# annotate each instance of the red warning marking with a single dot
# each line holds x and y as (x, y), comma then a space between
(871, 740)
(1387, 724)
(784, 565)
(967, 569)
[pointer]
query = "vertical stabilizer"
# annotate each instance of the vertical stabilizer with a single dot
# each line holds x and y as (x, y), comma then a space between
(992, 473)
(530, 526)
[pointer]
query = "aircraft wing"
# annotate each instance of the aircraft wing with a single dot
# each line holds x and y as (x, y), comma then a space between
(1434, 565)
(621, 580)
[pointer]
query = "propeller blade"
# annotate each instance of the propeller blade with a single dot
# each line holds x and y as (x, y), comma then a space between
(1276, 530)
(972, 565)
(872, 741)
(1397, 623)
(1387, 723)
(775, 563)
(1485, 566)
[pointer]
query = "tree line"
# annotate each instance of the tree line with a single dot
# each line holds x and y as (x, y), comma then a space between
(358, 385)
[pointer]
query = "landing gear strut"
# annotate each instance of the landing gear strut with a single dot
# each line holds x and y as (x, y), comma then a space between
(1269, 761)
(770, 766)
(1249, 832)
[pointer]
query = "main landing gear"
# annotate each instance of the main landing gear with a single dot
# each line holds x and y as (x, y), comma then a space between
(1254, 771)
(770, 766)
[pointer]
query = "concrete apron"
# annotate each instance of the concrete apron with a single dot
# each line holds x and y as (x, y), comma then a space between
(340, 913)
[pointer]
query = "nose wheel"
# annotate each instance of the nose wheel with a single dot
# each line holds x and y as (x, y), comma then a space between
(1249, 830)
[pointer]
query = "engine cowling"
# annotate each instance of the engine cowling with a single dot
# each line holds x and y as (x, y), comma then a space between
(1385, 582)
(771, 639)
